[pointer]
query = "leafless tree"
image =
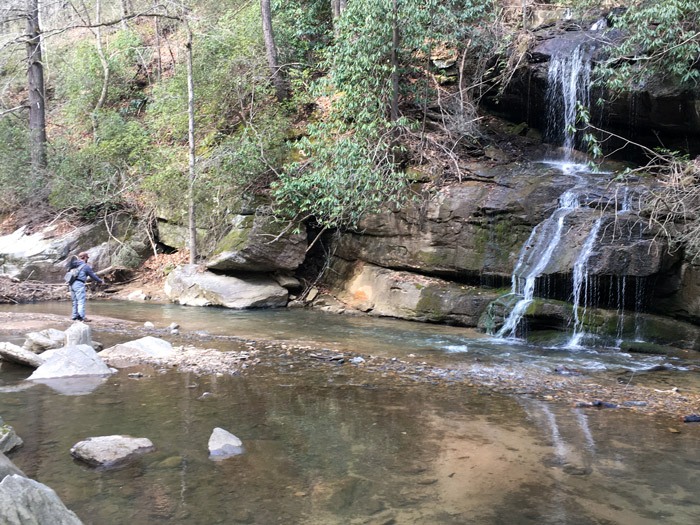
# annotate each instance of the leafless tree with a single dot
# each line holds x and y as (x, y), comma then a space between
(271, 51)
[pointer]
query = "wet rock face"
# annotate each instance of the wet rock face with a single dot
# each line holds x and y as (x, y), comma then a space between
(461, 231)
(482, 228)
(656, 107)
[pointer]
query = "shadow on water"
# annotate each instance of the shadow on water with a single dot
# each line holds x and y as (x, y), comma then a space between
(334, 446)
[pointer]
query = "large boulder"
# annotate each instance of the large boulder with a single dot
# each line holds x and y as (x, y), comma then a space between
(72, 361)
(7, 468)
(409, 296)
(40, 255)
(176, 235)
(190, 285)
(258, 243)
(111, 451)
(24, 501)
(39, 342)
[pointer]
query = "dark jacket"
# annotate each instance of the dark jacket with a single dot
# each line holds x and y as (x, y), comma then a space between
(85, 271)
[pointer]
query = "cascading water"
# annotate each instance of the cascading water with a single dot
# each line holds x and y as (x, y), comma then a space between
(568, 77)
(581, 284)
(534, 258)
(568, 85)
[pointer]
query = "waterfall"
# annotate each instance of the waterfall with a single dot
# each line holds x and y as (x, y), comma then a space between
(538, 248)
(581, 284)
(568, 83)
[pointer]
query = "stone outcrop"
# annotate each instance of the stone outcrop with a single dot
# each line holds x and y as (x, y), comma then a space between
(111, 451)
(25, 501)
(656, 107)
(192, 286)
(41, 255)
(406, 295)
(257, 243)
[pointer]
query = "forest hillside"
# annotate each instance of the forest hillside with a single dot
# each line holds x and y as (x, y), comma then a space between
(325, 110)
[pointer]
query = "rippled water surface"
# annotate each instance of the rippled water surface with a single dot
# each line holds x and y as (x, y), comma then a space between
(331, 445)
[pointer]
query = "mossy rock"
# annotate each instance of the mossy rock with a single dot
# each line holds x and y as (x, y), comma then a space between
(641, 347)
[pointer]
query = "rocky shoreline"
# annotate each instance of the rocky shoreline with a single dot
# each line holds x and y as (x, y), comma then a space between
(196, 353)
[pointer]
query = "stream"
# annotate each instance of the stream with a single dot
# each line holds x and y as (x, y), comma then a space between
(331, 445)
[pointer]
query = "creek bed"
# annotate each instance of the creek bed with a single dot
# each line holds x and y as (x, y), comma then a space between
(329, 443)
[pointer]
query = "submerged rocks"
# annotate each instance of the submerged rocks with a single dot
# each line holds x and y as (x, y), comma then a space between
(189, 285)
(7, 468)
(111, 451)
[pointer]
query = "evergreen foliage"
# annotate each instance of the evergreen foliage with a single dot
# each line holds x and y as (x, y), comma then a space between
(350, 165)
(663, 39)
(18, 186)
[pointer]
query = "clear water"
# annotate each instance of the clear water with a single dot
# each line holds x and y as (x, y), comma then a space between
(328, 444)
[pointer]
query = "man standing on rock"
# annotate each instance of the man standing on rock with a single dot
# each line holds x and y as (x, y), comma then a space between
(77, 289)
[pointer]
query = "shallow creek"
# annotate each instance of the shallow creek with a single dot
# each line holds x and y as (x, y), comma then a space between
(334, 445)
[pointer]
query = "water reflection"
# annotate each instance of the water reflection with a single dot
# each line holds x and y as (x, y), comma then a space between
(333, 447)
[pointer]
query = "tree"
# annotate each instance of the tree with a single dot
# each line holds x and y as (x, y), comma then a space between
(271, 51)
(37, 92)
(662, 39)
(192, 223)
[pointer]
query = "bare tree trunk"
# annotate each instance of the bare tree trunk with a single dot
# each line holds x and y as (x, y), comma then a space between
(159, 61)
(125, 13)
(192, 158)
(395, 62)
(271, 51)
(37, 100)
(105, 66)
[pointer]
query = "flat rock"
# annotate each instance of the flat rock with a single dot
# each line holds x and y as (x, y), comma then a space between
(189, 285)
(111, 451)
(19, 355)
(146, 347)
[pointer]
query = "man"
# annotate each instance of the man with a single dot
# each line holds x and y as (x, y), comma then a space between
(77, 289)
